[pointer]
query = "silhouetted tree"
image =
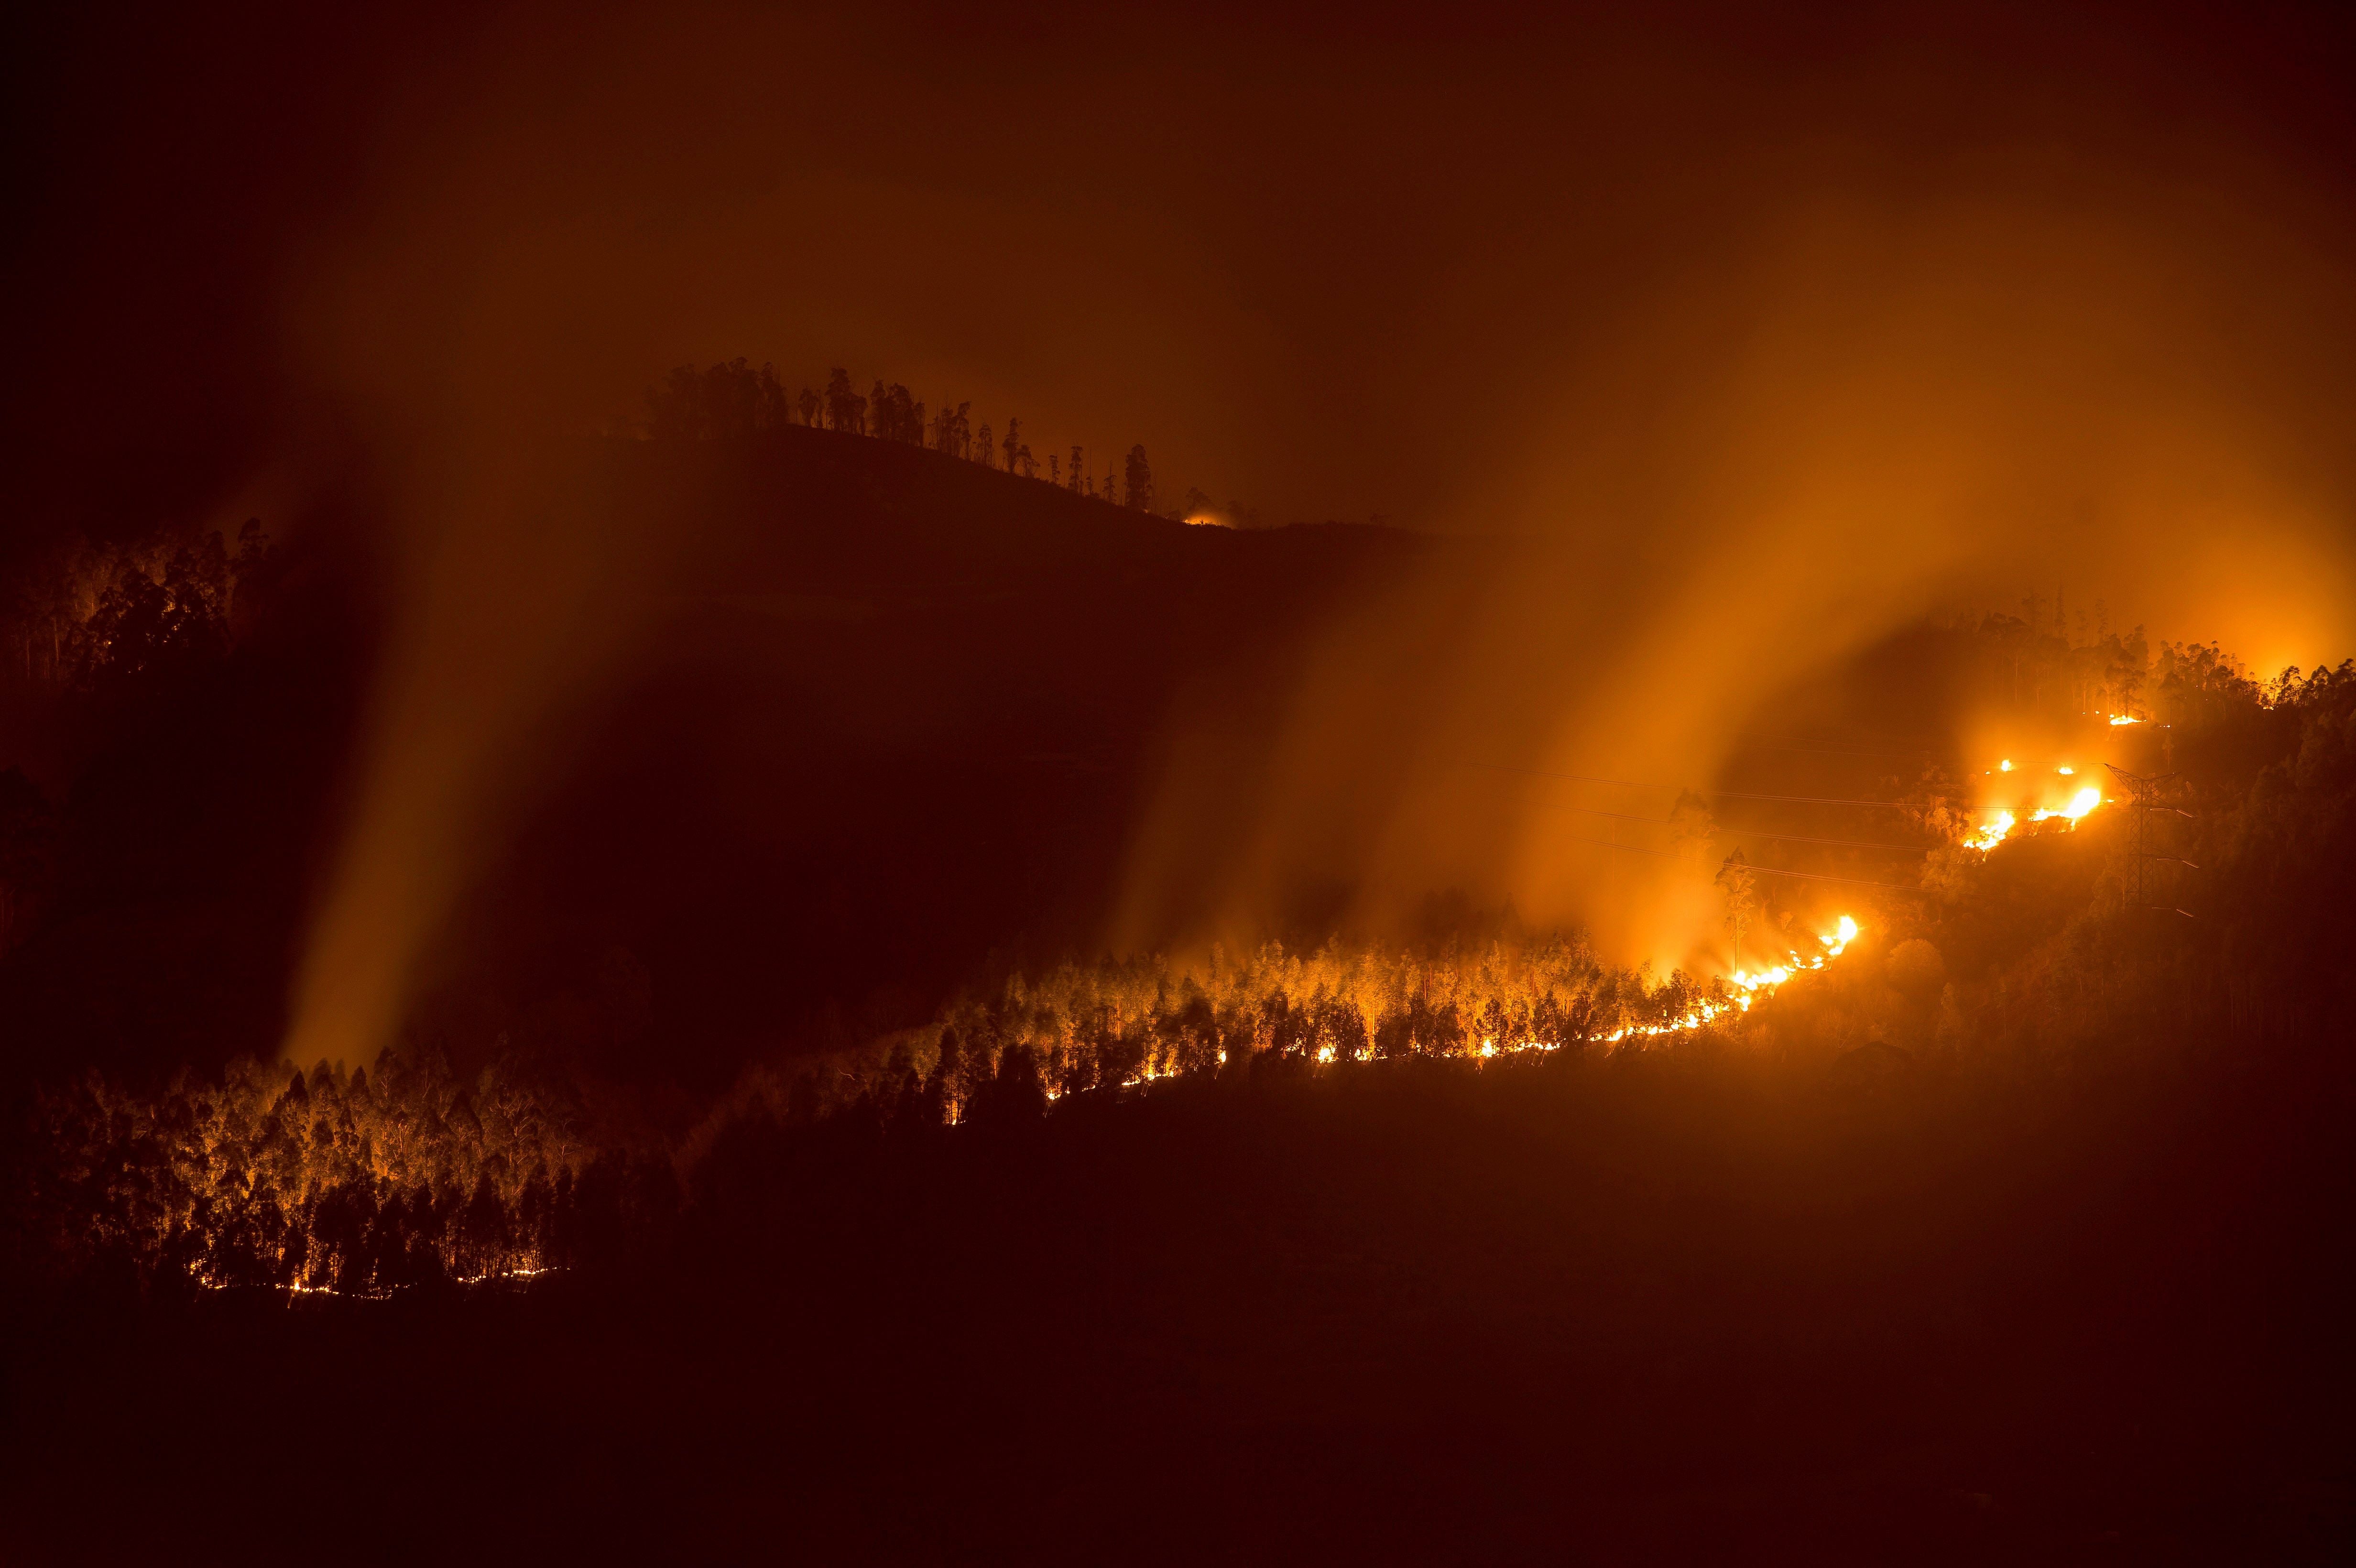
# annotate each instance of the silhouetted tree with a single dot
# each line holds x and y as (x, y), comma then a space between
(1742, 886)
(1015, 1093)
(730, 399)
(845, 408)
(1136, 481)
(894, 415)
(951, 429)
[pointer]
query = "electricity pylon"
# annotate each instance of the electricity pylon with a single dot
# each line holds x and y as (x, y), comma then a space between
(2141, 791)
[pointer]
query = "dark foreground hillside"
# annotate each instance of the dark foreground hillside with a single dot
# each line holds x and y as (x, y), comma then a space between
(1666, 1307)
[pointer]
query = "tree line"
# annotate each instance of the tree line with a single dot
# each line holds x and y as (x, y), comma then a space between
(365, 1182)
(84, 614)
(355, 1183)
(733, 399)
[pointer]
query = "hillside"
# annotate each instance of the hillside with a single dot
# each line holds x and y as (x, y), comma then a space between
(770, 1127)
(889, 715)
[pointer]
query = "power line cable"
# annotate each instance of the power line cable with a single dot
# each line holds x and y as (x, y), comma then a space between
(1844, 843)
(1807, 799)
(1762, 871)
(1821, 748)
(1750, 832)
(1710, 794)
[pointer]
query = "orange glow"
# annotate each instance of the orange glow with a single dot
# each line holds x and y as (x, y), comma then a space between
(1999, 822)
(1992, 831)
(1748, 986)
(2084, 801)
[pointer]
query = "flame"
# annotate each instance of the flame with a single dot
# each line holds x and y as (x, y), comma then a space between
(1992, 831)
(2125, 719)
(2000, 823)
(1749, 986)
(2084, 801)
(516, 1273)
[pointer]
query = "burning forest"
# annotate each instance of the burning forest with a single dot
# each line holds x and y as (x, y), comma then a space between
(346, 1182)
(660, 898)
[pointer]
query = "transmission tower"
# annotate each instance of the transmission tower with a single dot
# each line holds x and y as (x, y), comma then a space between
(2143, 793)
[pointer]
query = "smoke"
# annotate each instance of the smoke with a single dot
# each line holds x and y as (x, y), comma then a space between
(1876, 404)
(1713, 371)
(515, 581)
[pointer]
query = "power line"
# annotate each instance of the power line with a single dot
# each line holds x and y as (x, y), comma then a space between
(1822, 877)
(1844, 843)
(1749, 832)
(2143, 791)
(1808, 799)
(1711, 793)
(1762, 871)
(1822, 749)
(1632, 849)
(1581, 778)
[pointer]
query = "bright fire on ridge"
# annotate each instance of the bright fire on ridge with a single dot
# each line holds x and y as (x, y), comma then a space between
(1999, 823)
(1747, 987)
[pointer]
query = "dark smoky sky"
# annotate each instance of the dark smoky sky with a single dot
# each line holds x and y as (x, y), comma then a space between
(1458, 270)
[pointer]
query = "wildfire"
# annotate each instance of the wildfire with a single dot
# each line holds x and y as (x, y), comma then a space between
(515, 1274)
(2084, 801)
(1748, 987)
(1992, 831)
(2117, 719)
(1736, 993)
(2000, 822)
(1144, 1075)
